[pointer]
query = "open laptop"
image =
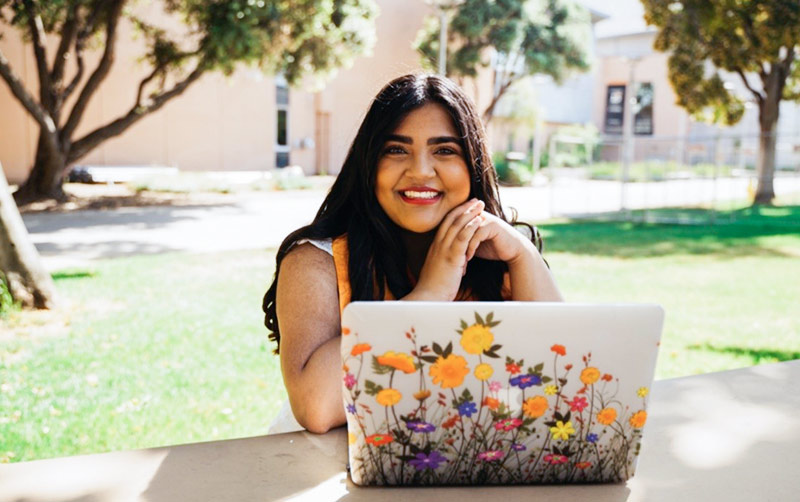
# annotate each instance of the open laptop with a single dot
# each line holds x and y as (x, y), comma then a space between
(464, 393)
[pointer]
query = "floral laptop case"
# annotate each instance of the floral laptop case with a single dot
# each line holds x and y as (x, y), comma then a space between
(474, 393)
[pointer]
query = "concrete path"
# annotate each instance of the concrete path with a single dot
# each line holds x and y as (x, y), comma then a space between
(260, 220)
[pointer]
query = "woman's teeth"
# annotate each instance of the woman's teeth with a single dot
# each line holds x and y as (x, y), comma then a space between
(420, 195)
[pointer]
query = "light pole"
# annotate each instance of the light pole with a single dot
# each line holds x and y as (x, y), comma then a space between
(442, 6)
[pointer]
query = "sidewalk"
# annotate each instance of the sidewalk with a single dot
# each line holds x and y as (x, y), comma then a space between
(260, 220)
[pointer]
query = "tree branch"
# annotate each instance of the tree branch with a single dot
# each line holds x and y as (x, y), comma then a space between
(99, 74)
(23, 96)
(758, 95)
(84, 145)
(489, 112)
(68, 32)
(78, 75)
(38, 38)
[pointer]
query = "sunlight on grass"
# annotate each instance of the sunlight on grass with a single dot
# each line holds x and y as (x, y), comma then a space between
(166, 349)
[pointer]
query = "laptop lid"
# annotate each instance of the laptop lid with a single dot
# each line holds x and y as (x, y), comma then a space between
(458, 393)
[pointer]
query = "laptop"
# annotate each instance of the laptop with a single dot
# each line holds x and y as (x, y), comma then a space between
(482, 393)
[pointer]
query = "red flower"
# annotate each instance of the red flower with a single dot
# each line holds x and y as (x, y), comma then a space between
(513, 368)
(559, 349)
(607, 377)
(508, 424)
(379, 439)
(450, 422)
(568, 367)
(583, 465)
(578, 404)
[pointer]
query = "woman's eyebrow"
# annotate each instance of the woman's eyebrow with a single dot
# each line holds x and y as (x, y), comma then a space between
(443, 139)
(400, 139)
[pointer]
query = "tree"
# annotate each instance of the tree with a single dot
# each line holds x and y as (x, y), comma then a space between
(295, 37)
(28, 281)
(753, 39)
(528, 37)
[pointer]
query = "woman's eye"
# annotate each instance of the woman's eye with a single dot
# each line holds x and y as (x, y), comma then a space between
(446, 150)
(394, 149)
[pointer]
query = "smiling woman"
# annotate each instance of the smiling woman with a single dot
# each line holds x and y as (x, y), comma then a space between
(413, 215)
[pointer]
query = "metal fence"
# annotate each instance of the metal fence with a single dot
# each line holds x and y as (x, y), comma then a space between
(708, 176)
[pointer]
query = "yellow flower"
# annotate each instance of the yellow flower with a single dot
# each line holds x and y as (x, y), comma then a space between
(562, 430)
(388, 397)
(449, 372)
(483, 371)
(351, 438)
(638, 419)
(606, 416)
(643, 392)
(398, 361)
(535, 407)
(590, 375)
(476, 338)
(551, 390)
(422, 395)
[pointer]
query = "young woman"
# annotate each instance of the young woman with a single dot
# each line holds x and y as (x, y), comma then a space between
(413, 215)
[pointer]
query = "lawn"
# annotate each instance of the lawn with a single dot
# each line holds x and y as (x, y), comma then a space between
(168, 349)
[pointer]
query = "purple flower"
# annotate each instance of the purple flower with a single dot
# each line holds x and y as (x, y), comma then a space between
(420, 426)
(592, 438)
(351, 409)
(467, 409)
(430, 461)
(518, 447)
(349, 381)
(525, 381)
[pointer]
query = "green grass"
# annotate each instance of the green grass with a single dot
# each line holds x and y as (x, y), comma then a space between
(170, 349)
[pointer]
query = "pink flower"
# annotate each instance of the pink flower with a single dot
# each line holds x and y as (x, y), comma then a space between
(508, 424)
(491, 455)
(495, 386)
(555, 459)
(349, 381)
(577, 404)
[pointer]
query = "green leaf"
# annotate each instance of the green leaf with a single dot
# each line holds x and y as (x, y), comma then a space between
(489, 317)
(379, 368)
(546, 379)
(371, 388)
(478, 319)
(464, 325)
(448, 350)
(429, 359)
(538, 368)
(437, 349)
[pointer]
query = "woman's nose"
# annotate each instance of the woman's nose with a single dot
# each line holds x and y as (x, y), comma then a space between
(422, 166)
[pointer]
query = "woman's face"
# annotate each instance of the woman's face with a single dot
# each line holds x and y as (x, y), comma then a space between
(422, 172)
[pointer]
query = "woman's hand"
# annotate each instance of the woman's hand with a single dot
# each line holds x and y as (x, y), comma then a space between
(497, 240)
(446, 260)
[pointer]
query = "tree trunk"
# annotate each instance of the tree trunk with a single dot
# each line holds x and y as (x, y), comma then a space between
(28, 281)
(45, 180)
(765, 168)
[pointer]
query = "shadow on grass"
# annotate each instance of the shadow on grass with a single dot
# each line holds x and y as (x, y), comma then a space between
(735, 233)
(756, 355)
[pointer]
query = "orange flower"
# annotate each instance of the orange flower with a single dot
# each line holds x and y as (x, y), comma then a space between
(606, 416)
(379, 439)
(451, 422)
(559, 349)
(388, 397)
(345, 331)
(449, 372)
(360, 348)
(590, 375)
(638, 419)
(398, 361)
(513, 368)
(535, 407)
(607, 377)
(422, 395)
(583, 465)
(491, 403)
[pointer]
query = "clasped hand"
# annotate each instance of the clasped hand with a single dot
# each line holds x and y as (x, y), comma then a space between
(467, 231)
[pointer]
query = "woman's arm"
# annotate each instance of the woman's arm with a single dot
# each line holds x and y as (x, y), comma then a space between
(308, 316)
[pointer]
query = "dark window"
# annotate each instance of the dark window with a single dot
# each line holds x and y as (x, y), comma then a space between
(615, 109)
(282, 132)
(281, 159)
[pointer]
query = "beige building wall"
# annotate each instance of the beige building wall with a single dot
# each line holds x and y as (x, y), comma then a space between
(223, 123)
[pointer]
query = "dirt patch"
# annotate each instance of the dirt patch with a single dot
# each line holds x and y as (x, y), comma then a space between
(114, 196)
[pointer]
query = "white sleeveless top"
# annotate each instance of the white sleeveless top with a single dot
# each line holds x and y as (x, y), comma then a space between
(285, 421)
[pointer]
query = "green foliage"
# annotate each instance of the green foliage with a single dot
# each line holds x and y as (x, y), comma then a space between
(7, 304)
(737, 36)
(530, 37)
(295, 37)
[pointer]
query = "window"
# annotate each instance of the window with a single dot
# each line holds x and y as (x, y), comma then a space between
(615, 109)
(643, 110)
(282, 148)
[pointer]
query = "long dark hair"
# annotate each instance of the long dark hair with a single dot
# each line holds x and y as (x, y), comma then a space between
(377, 256)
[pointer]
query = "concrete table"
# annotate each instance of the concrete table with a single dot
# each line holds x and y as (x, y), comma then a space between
(732, 435)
